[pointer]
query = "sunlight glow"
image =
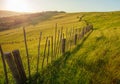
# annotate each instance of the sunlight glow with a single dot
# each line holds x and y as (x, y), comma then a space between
(17, 5)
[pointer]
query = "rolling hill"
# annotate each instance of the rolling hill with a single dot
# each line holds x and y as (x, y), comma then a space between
(4, 13)
(95, 60)
(24, 19)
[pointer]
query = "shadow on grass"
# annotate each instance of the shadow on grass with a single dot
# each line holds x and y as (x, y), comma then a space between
(50, 74)
(79, 45)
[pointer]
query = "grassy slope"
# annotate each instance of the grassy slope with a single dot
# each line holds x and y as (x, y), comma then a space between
(96, 61)
(9, 38)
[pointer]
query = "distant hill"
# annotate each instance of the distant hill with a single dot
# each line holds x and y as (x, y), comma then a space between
(4, 13)
(22, 19)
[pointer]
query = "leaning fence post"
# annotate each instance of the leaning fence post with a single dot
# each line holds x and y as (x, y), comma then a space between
(19, 64)
(13, 68)
(63, 45)
(26, 47)
(4, 65)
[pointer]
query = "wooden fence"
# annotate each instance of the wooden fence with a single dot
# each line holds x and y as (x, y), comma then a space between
(55, 46)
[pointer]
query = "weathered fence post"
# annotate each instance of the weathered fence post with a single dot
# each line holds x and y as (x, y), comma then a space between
(52, 49)
(63, 45)
(44, 52)
(79, 35)
(48, 51)
(66, 39)
(61, 36)
(85, 28)
(82, 33)
(57, 44)
(26, 47)
(91, 27)
(68, 42)
(13, 68)
(19, 64)
(38, 58)
(4, 65)
(75, 39)
(70, 39)
(55, 40)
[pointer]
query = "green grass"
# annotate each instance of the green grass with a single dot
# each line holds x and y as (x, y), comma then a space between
(96, 60)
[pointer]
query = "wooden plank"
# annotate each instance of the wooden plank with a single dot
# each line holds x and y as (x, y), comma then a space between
(11, 63)
(19, 64)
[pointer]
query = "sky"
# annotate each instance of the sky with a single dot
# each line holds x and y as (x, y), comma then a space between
(60, 5)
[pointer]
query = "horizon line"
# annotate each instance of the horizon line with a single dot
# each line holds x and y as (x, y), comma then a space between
(56, 10)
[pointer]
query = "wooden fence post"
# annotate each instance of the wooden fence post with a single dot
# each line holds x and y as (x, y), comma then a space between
(70, 39)
(85, 30)
(63, 45)
(48, 51)
(91, 27)
(38, 58)
(66, 34)
(79, 36)
(13, 68)
(4, 65)
(82, 33)
(44, 52)
(75, 39)
(68, 42)
(55, 40)
(57, 44)
(19, 64)
(52, 49)
(61, 36)
(26, 47)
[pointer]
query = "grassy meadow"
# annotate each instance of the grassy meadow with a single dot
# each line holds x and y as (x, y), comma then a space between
(95, 60)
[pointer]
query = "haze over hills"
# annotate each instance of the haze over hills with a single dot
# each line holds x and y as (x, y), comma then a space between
(5, 13)
(14, 19)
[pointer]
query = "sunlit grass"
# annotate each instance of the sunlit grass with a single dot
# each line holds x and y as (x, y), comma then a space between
(97, 60)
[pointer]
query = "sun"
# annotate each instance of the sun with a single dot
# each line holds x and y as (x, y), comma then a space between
(17, 5)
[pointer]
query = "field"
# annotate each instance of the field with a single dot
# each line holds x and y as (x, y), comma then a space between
(96, 59)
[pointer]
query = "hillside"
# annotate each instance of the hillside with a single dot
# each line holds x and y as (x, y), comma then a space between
(4, 13)
(95, 60)
(25, 19)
